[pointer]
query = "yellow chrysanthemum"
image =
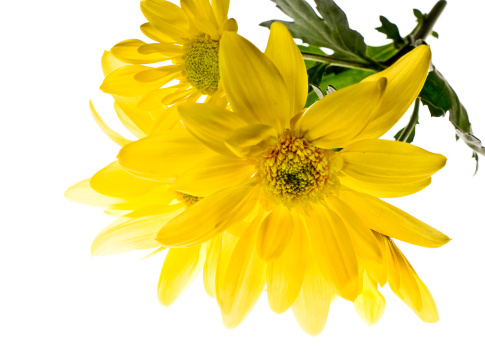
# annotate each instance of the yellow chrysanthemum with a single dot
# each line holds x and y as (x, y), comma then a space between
(301, 187)
(188, 36)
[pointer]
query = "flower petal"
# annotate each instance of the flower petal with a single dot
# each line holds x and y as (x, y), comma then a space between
(333, 251)
(180, 268)
(82, 192)
(387, 219)
(285, 274)
(213, 174)
(336, 119)
(201, 14)
(405, 79)
(370, 304)
(274, 233)
(210, 266)
(113, 135)
(210, 124)
(135, 231)
(127, 51)
(218, 212)
(255, 88)
(388, 167)
(313, 302)
(116, 182)
(166, 17)
(252, 140)
(220, 8)
(286, 56)
(164, 156)
(244, 280)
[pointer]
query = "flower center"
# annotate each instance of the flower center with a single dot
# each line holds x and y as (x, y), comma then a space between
(295, 171)
(187, 199)
(202, 65)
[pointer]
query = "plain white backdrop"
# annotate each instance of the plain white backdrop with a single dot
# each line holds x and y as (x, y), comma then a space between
(55, 297)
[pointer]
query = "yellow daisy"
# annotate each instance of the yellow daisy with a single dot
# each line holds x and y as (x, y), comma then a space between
(301, 187)
(188, 36)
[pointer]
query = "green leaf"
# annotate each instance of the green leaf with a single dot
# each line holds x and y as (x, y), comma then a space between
(435, 34)
(315, 74)
(411, 136)
(382, 53)
(329, 31)
(440, 98)
(390, 30)
(339, 77)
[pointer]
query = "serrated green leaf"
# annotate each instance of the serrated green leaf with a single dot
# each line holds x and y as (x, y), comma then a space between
(329, 31)
(440, 98)
(390, 30)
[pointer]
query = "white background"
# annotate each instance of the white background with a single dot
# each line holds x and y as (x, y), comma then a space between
(55, 297)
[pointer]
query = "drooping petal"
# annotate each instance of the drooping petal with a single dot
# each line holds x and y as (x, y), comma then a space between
(388, 167)
(336, 119)
(370, 304)
(113, 135)
(274, 233)
(210, 266)
(164, 156)
(387, 219)
(180, 268)
(218, 211)
(285, 274)
(365, 243)
(254, 87)
(135, 231)
(127, 51)
(313, 302)
(116, 182)
(210, 124)
(286, 56)
(252, 140)
(136, 121)
(405, 79)
(244, 280)
(333, 251)
(213, 174)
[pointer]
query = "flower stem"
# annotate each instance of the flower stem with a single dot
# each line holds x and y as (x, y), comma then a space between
(412, 123)
(342, 63)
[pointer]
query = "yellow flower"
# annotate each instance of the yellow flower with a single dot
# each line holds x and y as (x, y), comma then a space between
(188, 36)
(299, 189)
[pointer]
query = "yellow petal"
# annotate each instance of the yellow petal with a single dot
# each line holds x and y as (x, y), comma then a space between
(429, 311)
(286, 56)
(82, 192)
(218, 211)
(210, 266)
(202, 16)
(370, 304)
(166, 17)
(387, 219)
(164, 156)
(210, 124)
(333, 251)
(365, 243)
(244, 280)
(127, 51)
(213, 174)
(313, 302)
(254, 87)
(122, 81)
(220, 8)
(229, 242)
(405, 79)
(136, 121)
(116, 182)
(398, 168)
(113, 135)
(252, 140)
(154, 34)
(336, 119)
(180, 268)
(285, 274)
(165, 50)
(135, 231)
(275, 233)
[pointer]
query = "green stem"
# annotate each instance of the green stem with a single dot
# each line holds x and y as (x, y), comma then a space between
(342, 63)
(429, 21)
(412, 123)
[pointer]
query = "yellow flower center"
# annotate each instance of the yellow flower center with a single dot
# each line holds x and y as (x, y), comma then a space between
(202, 65)
(295, 171)
(187, 199)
